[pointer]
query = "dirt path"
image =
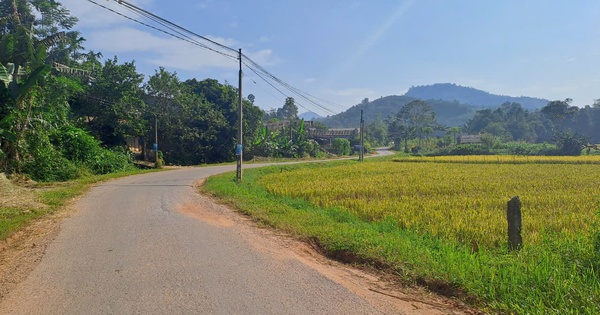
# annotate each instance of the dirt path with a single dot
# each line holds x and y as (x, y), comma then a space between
(172, 247)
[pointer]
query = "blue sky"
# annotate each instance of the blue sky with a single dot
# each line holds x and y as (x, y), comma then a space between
(345, 51)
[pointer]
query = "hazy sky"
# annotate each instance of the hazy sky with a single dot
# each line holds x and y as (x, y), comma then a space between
(344, 51)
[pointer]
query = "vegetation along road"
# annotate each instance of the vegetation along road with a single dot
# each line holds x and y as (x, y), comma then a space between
(149, 244)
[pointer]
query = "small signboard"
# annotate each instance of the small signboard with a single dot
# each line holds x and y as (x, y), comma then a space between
(239, 149)
(155, 147)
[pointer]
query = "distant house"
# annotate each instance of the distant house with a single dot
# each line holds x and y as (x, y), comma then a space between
(469, 139)
(326, 136)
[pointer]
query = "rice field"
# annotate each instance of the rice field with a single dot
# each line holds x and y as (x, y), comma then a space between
(443, 219)
(464, 202)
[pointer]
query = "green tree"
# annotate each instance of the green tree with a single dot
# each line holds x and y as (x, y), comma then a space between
(410, 122)
(25, 98)
(289, 110)
(221, 111)
(570, 143)
(558, 112)
(112, 106)
(377, 132)
(454, 131)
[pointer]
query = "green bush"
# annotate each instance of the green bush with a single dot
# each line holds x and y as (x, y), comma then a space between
(463, 149)
(108, 161)
(68, 153)
(523, 148)
(569, 143)
(341, 146)
(75, 144)
(44, 163)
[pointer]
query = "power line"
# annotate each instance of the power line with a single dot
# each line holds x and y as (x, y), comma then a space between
(256, 67)
(271, 84)
(184, 34)
(296, 90)
(162, 31)
(125, 3)
(264, 88)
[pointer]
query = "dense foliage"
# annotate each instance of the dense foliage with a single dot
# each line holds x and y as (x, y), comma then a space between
(64, 113)
(413, 121)
(569, 127)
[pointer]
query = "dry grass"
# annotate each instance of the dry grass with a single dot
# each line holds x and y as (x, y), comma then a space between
(16, 196)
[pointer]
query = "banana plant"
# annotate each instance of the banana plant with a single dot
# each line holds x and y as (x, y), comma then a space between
(17, 81)
(265, 135)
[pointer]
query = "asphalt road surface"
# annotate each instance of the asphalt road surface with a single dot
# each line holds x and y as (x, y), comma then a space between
(131, 249)
(146, 244)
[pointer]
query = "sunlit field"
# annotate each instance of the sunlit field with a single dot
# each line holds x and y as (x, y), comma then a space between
(455, 201)
(444, 219)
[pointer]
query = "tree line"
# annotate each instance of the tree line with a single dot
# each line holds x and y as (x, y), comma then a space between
(64, 113)
(569, 128)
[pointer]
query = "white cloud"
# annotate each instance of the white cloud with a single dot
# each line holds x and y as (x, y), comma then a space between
(170, 52)
(265, 38)
(204, 4)
(91, 15)
(264, 57)
(160, 51)
(112, 34)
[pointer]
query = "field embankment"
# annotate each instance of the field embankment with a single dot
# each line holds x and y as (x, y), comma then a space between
(442, 223)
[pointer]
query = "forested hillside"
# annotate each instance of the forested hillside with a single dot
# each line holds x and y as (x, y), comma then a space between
(447, 113)
(468, 95)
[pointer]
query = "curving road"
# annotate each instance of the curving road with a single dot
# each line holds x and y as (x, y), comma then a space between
(131, 250)
(148, 244)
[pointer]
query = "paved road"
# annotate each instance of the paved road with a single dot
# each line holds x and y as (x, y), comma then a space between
(131, 249)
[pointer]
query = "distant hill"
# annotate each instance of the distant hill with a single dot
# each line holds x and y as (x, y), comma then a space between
(447, 113)
(469, 95)
(309, 116)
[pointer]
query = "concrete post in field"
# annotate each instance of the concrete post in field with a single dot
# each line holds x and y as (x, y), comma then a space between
(513, 215)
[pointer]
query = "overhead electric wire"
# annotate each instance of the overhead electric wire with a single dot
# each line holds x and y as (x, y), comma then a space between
(180, 33)
(162, 31)
(264, 88)
(294, 90)
(269, 83)
(125, 3)
(278, 90)
(160, 20)
(297, 91)
(153, 18)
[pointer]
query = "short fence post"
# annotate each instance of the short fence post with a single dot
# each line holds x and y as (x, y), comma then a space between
(513, 215)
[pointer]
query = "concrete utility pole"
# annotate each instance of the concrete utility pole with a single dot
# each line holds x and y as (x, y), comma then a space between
(155, 146)
(240, 148)
(361, 154)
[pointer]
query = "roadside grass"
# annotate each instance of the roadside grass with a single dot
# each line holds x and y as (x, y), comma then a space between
(21, 204)
(556, 276)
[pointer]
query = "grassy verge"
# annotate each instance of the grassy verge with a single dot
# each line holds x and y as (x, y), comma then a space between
(557, 276)
(31, 203)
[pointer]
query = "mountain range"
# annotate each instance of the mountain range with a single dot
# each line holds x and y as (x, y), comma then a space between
(309, 116)
(471, 96)
(453, 105)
